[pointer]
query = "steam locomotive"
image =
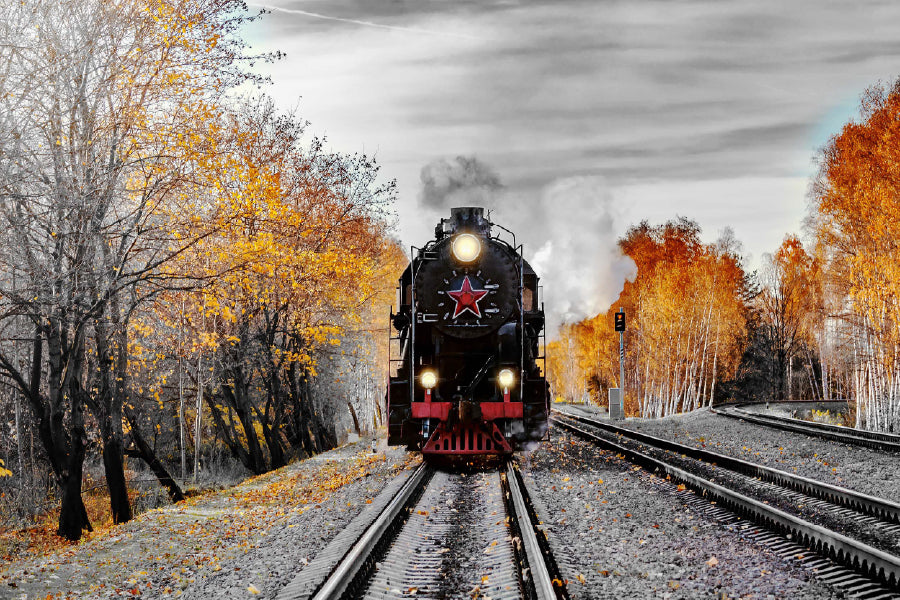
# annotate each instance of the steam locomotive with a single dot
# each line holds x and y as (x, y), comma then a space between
(469, 329)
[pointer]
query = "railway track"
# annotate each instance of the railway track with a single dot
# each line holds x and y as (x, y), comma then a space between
(859, 532)
(886, 442)
(439, 534)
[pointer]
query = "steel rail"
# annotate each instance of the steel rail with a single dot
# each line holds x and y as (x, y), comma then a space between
(879, 508)
(352, 566)
(858, 437)
(540, 573)
(874, 563)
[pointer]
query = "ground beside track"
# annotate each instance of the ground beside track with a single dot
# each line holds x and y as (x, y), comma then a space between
(618, 532)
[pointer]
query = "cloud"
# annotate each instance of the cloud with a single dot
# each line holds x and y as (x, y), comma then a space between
(362, 23)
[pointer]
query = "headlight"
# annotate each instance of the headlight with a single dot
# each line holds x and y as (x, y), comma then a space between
(428, 379)
(466, 247)
(506, 378)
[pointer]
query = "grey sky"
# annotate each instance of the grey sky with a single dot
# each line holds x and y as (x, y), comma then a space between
(708, 109)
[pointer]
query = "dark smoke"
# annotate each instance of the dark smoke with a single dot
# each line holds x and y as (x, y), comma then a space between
(569, 231)
(463, 181)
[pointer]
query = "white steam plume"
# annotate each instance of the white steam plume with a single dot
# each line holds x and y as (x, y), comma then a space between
(581, 267)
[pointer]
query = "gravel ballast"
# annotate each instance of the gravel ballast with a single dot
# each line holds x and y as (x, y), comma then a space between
(245, 542)
(618, 532)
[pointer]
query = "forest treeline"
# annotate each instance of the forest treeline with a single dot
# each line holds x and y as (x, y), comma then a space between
(176, 256)
(819, 321)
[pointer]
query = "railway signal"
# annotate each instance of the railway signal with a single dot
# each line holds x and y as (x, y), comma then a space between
(617, 396)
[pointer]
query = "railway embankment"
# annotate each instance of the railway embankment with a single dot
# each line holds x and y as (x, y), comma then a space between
(247, 541)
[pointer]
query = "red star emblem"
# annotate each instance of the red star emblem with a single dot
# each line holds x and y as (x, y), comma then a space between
(467, 299)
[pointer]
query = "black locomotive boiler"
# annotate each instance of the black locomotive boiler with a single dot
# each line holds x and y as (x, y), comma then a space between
(469, 328)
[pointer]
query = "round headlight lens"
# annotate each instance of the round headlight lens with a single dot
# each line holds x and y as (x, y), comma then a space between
(506, 378)
(428, 379)
(466, 247)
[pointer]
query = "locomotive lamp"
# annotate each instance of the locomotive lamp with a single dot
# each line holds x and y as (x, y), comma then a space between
(506, 379)
(465, 247)
(428, 379)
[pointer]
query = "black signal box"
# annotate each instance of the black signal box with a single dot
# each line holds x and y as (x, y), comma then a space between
(620, 321)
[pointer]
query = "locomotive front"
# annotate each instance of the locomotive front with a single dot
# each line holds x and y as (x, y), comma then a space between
(469, 330)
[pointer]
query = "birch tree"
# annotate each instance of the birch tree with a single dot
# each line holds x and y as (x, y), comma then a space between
(856, 216)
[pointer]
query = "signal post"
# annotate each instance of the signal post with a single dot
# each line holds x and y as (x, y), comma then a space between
(617, 395)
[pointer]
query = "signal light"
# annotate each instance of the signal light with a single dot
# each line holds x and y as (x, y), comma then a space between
(466, 247)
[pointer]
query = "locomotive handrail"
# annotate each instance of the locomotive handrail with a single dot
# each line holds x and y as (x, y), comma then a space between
(521, 251)
(412, 324)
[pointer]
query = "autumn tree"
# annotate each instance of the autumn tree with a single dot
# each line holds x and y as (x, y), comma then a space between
(687, 315)
(100, 100)
(565, 372)
(289, 270)
(856, 217)
(789, 306)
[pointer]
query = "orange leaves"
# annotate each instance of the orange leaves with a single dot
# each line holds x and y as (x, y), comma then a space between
(857, 222)
(685, 321)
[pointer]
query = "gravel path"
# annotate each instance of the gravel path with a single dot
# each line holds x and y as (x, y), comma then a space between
(245, 542)
(618, 532)
(862, 469)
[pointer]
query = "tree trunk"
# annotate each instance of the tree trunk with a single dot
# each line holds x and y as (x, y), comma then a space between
(107, 408)
(300, 412)
(67, 444)
(355, 420)
(146, 453)
(73, 518)
(114, 466)
(229, 435)
(236, 395)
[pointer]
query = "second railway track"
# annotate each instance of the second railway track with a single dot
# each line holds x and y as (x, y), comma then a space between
(853, 529)
(886, 442)
(442, 535)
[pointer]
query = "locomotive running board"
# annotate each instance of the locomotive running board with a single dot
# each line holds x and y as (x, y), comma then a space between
(467, 439)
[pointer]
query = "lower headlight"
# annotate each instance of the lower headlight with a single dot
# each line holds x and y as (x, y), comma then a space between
(428, 379)
(506, 378)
